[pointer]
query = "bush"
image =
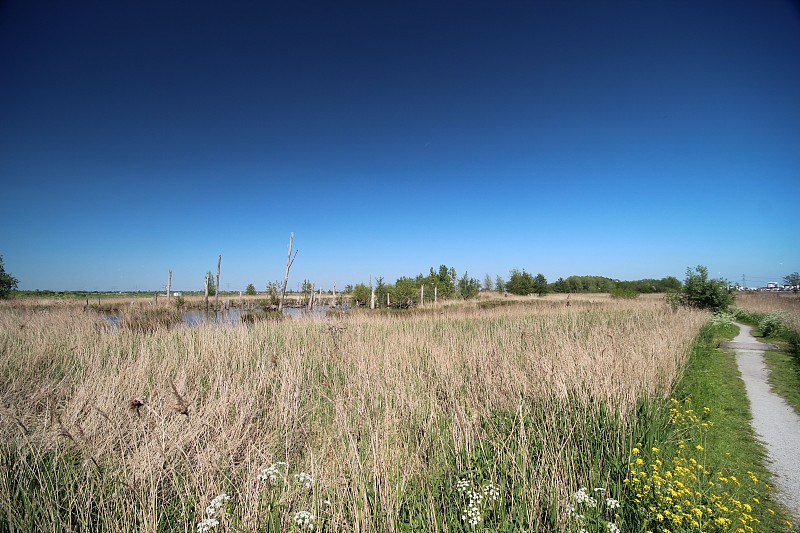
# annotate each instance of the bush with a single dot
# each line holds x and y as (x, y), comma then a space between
(622, 292)
(772, 324)
(703, 293)
(723, 318)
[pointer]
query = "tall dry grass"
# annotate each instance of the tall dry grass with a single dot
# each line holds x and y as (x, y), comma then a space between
(118, 429)
(768, 302)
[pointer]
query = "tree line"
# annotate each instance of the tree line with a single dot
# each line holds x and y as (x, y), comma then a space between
(445, 284)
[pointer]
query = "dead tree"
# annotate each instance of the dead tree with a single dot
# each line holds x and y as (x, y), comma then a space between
(169, 287)
(422, 296)
(311, 298)
(208, 275)
(333, 300)
(216, 293)
(372, 294)
(289, 261)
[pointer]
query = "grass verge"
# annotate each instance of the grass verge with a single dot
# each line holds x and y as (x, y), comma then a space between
(712, 380)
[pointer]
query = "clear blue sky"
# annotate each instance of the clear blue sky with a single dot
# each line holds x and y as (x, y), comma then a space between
(625, 139)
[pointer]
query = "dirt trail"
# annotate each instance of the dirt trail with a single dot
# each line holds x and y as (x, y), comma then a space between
(773, 419)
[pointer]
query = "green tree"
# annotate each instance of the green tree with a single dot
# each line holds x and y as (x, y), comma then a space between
(444, 280)
(499, 284)
(703, 293)
(8, 282)
(792, 279)
(212, 287)
(487, 283)
(540, 284)
(306, 287)
(468, 287)
(360, 294)
(405, 292)
(381, 290)
(273, 290)
(250, 290)
(520, 283)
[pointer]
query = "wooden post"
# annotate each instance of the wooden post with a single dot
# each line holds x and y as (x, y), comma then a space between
(169, 287)
(206, 287)
(388, 303)
(422, 295)
(333, 300)
(372, 293)
(434, 293)
(289, 261)
(216, 294)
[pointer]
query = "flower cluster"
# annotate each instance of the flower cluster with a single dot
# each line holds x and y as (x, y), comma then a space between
(679, 492)
(305, 520)
(211, 521)
(304, 479)
(476, 500)
(592, 510)
(273, 472)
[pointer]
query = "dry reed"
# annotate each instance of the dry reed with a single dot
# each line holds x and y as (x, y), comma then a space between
(372, 406)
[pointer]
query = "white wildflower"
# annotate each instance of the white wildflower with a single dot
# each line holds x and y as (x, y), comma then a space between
(305, 520)
(207, 525)
(471, 515)
(612, 527)
(272, 473)
(491, 491)
(304, 479)
(611, 503)
(582, 496)
(216, 504)
(462, 485)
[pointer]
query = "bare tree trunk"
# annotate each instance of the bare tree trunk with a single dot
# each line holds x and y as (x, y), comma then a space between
(333, 301)
(388, 303)
(289, 261)
(434, 293)
(169, 287)
(422, 296)
(372, 293)
(208, 274)
(311, 298)
(216, 294)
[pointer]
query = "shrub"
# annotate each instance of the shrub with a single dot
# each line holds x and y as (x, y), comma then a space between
(622, 292)
(703, 293)
(772, 324)
(723, 318)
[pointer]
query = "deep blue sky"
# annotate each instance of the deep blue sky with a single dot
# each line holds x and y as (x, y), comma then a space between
(625, 139)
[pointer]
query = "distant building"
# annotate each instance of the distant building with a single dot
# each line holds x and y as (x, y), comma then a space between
(177, 293)
(772, 286)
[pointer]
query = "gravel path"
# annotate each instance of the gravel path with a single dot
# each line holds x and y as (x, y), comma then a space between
(773, 419)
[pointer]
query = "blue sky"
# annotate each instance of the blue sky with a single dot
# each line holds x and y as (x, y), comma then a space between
(625, 139)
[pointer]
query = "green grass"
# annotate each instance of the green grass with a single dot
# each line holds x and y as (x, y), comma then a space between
(712, 379)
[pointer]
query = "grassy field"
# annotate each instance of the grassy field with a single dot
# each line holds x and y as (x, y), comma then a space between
(366, 421)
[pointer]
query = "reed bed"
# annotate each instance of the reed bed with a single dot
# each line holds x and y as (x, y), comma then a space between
(130, 429)
(787, 304)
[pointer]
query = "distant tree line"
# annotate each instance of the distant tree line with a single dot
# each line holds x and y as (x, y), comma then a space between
(445, 284)
(588, 284)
